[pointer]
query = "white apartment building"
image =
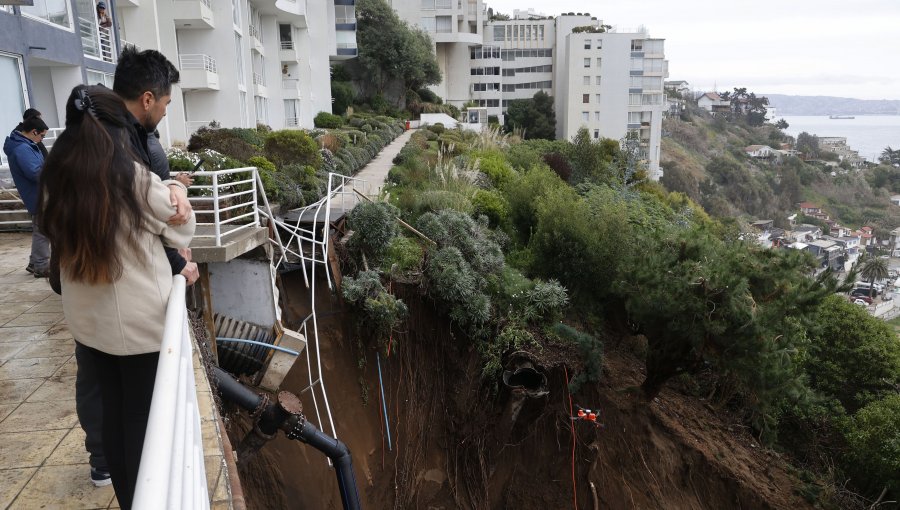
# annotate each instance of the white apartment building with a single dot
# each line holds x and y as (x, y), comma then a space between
(455, 26)
(242, 62)
(608, 82)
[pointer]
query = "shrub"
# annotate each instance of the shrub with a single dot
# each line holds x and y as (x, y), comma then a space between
(342, 93)
(261, 163)
(559, 164)
(428, 96)
(330, 142)
(374, 225)
(292, 147)
(522, 195)
(328, 121)
(472, 239)
(403, 255)
(545, 301)
(874, 440)
(452, 280)
(224, 141)
(493, 164)
(491, 204)
(381, 310)
(591, 351)
(430, 135)
(436, 128)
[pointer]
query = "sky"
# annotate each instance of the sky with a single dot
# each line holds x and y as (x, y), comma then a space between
(845, 48)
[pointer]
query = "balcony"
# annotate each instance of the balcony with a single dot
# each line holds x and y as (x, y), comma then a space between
(96, 41)
(292, 122)
(194, 14)
(256, 40)
(259, 85)
(345, 24)
(291, 88)
(288, 52)
(287, 11)
(198, 72)
(346, 51)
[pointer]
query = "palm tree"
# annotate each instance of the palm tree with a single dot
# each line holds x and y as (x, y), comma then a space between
(874, 269)
(890, 156)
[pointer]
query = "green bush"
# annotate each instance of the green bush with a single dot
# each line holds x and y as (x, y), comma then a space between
(403, 255)
(494, 165)
(261, 163)
(328, 121)
(452, 280)
(874, 440)
(430, 135)
(591, 350)
(374, 225)
(437, 128)
(224, 141)
(342, 93)
(545, 301)
(522, 195)
(472, 239)
(382, 312)
(491, 204)
(428, 96)
(292, 147)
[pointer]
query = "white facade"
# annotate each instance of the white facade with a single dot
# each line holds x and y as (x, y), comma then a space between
(454, 26)
(243, 62)
(608, 82)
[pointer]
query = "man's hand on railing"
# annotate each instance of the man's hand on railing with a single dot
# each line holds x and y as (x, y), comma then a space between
(183, 209)
(190, 272)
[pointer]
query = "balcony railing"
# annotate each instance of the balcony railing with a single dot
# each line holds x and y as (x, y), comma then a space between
(172, 473)
(198, 61)
(229, 201)
(287, 45)
(258, 79)
(96, 41)
(254, 32)
(345, 21)
(292, 121)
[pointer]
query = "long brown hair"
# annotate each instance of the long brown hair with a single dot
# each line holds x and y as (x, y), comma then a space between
(89, 202)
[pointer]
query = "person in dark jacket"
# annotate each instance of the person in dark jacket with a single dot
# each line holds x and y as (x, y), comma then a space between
(30, 113)
(25, 162)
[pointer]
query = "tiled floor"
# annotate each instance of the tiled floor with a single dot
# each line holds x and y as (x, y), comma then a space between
(43, 463)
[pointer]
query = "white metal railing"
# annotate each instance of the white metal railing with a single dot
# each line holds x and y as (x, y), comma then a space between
(258, 79)
(345, 21)
(172, 473)
(254, 32)
(292, 121)
(310, 235)
(346, 45)
(287, 45)
(126, 44)
(198, 61)
(230, 199)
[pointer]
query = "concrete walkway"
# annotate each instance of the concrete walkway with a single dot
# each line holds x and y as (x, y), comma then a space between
(375, 173)
(43, 463)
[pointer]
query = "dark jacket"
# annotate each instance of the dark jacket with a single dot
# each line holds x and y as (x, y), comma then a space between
(25, 163)
(139, 138)
(159, 162)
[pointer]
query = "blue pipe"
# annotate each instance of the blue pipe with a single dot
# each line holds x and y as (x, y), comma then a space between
(254, 342)
(387, 426)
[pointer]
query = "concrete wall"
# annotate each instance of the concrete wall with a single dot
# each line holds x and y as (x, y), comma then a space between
(242, 289)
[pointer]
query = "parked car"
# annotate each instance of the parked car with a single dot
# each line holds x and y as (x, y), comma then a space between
(861, 300)
(863, 292)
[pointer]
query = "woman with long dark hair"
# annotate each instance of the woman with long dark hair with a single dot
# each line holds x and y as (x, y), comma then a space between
(105, 215)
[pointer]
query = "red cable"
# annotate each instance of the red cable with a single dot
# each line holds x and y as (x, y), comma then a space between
(574, 488)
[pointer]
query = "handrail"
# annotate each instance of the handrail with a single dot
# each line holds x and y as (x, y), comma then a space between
(226, 197)
(172, 472)
(198, 61)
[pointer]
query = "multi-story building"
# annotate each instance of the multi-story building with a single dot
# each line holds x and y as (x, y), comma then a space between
(242, 62)
(609, 82)
(454, 26)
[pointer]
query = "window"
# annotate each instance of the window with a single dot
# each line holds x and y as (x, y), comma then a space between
(597, 81)
(427, 5)
(587, 62)
(653, 65)
(242, 104)
(541, 32)
(586, 116)
(596, 134)
(597, 98)
(291, 115)
(443, 24)
(239, 58)
(527, 32)
(634, 99)
(12, 102)
(499, 32)
(634, 117)
(587, 44)
(428, 24)
(599, 44)
(597, 116)
(637, 45)
(515, 32)
(585, 98)
(97, 77)
(587, 80)
(637, 64)
(653, 46)
(443, 4)
(262, 109)
(55, 12)
(236, 13)
(598, 62)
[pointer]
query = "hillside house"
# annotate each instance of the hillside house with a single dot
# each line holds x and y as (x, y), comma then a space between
(760, 151)
(828, 253)
(804, 233)
(713, 103)
(809, 208)
(680, 86)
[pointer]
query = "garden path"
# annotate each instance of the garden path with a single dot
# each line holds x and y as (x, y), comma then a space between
(375, 173)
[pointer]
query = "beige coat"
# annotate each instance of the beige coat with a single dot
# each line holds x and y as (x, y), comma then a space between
(127, 316)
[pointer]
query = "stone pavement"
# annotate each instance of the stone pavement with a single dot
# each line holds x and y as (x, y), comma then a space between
(376, 171)
(43, 463)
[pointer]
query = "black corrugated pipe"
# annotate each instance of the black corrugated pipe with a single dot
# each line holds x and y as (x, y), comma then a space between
(285, 414)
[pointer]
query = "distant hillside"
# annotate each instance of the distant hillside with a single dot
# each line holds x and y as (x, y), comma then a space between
(828, 105)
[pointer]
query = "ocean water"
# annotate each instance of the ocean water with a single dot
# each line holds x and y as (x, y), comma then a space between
(868, 134)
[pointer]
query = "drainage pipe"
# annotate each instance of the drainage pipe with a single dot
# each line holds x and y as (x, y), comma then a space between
(285, 414)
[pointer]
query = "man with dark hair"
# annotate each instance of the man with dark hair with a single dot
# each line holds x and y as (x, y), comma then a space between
(25, 162)
(28, 114)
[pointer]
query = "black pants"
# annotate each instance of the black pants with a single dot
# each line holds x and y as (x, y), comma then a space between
(89, 406)
(126, 383)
